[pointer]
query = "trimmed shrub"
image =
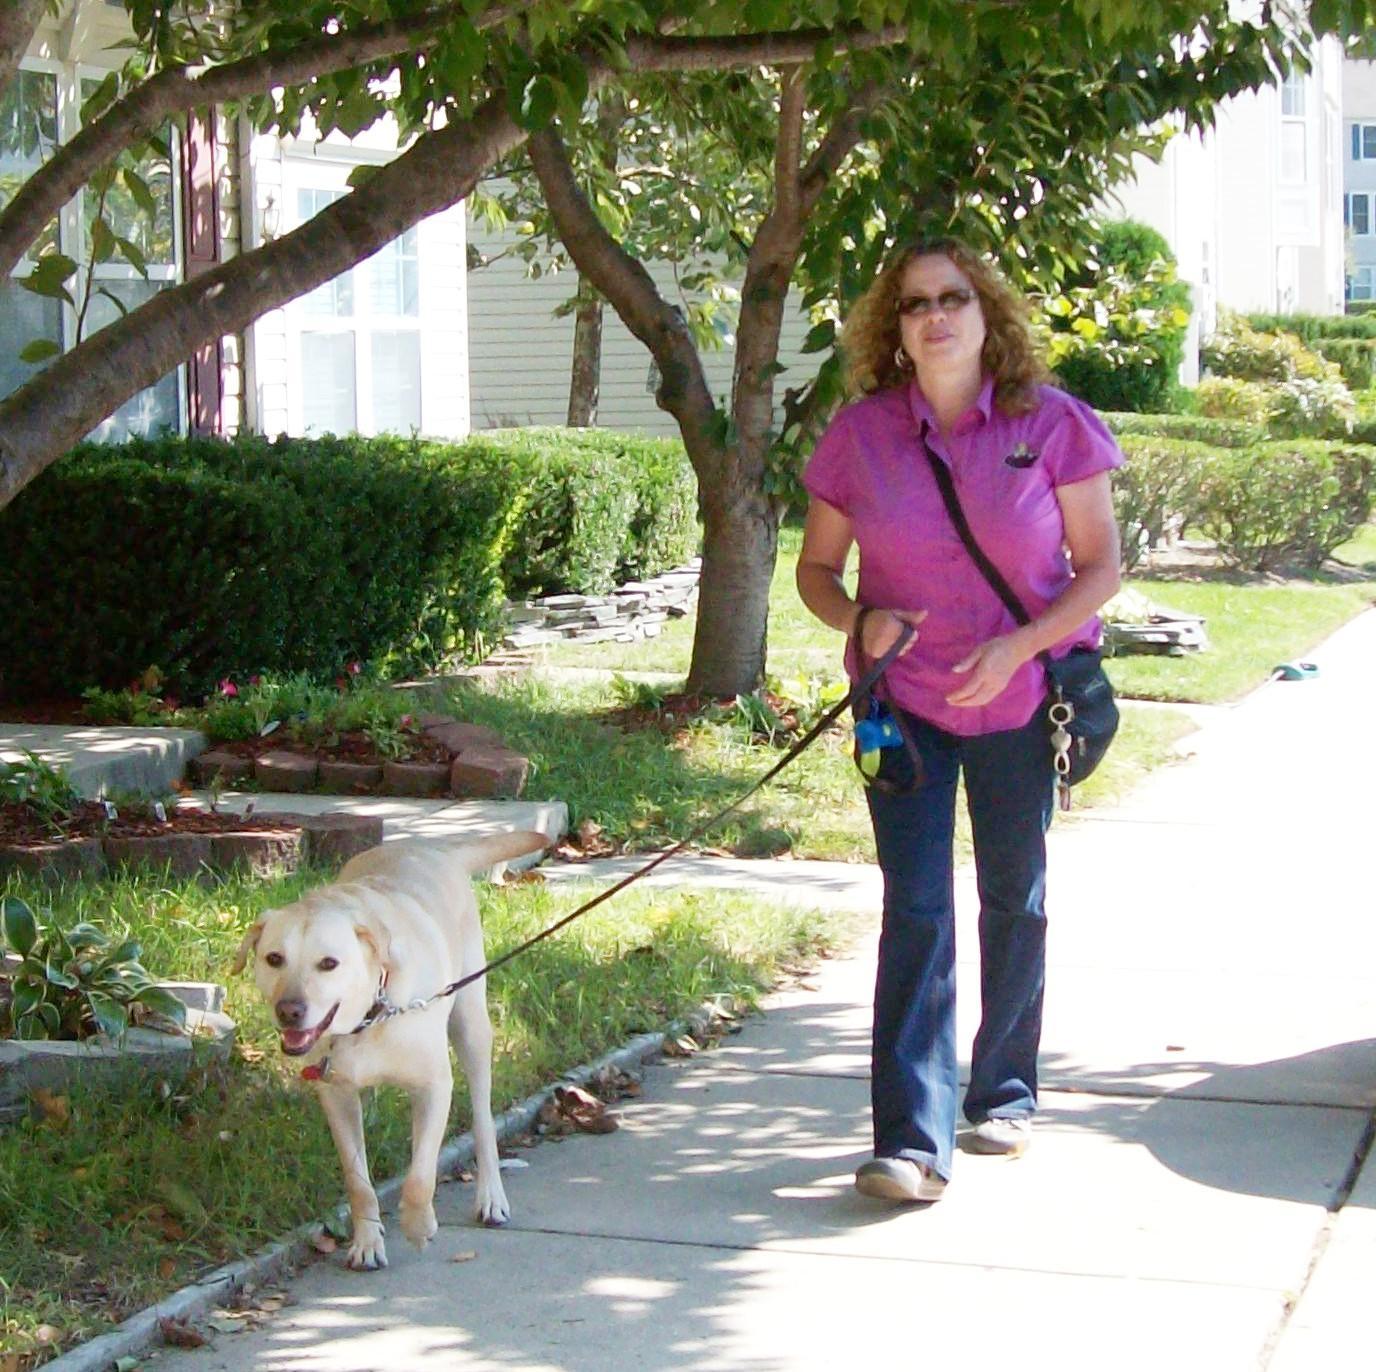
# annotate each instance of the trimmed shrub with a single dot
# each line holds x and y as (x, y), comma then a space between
(1115, 335)
(1286, 503)
(1156, 489)
(1355, 356)
(1312, 327)
(1227, 397)
(1217, 433)
(1303, 393)
(207, 558)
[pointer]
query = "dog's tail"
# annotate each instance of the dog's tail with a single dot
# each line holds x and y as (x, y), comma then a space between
(478, 854)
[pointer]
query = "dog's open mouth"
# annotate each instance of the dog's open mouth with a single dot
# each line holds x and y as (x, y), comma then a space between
(298, 1041)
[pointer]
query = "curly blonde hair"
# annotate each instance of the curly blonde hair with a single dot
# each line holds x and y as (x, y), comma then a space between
(871, 336)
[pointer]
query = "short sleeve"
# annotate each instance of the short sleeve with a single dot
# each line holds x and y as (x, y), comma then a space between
(830, 470)
(1079, 445)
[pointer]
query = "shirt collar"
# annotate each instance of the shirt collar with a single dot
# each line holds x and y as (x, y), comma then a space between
(978, 413)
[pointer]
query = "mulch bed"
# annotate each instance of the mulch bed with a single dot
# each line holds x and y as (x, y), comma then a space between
(349, 747)
(676, 712)
(21, 825)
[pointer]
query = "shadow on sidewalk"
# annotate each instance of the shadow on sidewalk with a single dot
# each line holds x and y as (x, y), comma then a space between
(1257, 1108)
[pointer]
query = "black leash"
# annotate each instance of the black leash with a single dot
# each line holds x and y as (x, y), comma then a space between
(383, 1008)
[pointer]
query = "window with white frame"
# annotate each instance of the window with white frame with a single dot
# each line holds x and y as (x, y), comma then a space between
(354, 344)
(1364, 142)
(1294, 130)
(1361, 285)
(39, 111)
(1357, 217)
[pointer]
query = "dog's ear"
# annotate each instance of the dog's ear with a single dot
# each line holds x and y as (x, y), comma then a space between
(248, 946)
(373, 935)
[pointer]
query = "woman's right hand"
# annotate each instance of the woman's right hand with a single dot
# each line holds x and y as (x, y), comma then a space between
(880, 630)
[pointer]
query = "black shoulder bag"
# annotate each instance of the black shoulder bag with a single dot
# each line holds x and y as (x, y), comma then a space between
(1082, 716)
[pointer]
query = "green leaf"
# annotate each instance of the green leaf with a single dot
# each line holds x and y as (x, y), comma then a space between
(360, 176)
(139, 190)
(82, 936)
(18, 925)
(40, 350)
(59, 976)
(27, 997)
(49, 275)
(538, 101)
(133, 255)
(103, 241)
(162, 1002)
(111, 1018)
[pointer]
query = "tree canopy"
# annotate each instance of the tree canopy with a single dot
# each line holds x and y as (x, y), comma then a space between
(851, 121)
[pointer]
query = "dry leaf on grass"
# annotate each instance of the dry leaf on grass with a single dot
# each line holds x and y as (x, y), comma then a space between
(570, 1109)
(682, 1046)
(55, 1109)
(180, 1334)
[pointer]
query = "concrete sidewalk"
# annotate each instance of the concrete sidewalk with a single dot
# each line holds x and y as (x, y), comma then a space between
(1192, 1199)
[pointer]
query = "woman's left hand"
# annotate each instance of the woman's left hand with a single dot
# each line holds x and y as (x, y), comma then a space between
(989, 668)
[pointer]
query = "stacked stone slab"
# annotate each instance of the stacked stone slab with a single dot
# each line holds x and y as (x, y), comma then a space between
(639, 609)
(482, 766)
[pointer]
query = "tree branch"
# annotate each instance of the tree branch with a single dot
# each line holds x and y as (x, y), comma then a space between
(838, 144)
(683, 390)
(785, 49)
(18, 24)
(40, 421)
(788, 145)
(177, 89)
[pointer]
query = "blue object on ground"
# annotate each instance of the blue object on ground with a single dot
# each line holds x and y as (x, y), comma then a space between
(1295, 671)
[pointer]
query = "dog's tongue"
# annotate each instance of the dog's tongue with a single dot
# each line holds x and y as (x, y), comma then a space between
(297, 1040)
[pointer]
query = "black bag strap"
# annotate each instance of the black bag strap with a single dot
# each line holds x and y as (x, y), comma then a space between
(991, 573)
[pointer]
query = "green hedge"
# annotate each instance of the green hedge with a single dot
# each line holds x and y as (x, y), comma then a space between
(1156, 490)
(1356, 356)
(209, 558)
(1218, 433)
(1312, 327)
(1285, 503)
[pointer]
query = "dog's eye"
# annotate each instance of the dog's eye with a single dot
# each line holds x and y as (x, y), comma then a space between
(327, 964)
(274, 959)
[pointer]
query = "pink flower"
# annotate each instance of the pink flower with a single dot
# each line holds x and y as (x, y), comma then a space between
(406, 721)
(228, 688)
(255, 681)
(355, 668)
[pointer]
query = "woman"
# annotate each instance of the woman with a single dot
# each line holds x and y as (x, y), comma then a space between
(940, 350)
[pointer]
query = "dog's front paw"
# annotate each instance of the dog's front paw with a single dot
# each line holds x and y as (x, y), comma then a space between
(418, 1223)
(490, 1205)
(368, 1251)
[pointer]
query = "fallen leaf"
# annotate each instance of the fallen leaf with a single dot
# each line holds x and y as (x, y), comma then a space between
(324, 1243)
(464, 1257)
(270, 1303)
(512, 1164)
(180, 1334)
(530, 877)
(167, 1268)
(46, 1334)
(684, 1046)
(56, 1110)
(584, 1111)
(226, 1322)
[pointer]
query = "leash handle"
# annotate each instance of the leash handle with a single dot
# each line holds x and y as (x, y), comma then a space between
(858, 692)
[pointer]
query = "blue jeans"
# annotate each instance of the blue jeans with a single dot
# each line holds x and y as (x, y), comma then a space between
(1009, 784)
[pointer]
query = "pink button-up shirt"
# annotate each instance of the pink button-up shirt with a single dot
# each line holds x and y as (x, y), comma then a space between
(870, 466)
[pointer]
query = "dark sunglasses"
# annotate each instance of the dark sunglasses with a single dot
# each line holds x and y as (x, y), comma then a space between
(948, 302)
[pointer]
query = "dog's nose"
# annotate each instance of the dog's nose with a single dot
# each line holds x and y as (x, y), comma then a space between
(290, 1013)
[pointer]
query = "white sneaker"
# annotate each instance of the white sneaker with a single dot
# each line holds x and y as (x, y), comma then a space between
(899, 1179)
(1006, 1137)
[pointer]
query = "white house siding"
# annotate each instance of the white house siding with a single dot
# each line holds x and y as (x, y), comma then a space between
(1254, 225)
(1359, 175)
(520, 353)
(276, 172)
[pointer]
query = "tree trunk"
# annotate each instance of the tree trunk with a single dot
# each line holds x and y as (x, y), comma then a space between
(585, 378)
(740, 543)
(18, 23)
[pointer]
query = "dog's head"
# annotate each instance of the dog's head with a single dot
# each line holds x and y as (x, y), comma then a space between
(318, 964)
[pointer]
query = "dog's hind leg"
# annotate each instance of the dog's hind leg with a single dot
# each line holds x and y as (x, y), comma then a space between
(470, 1031)
(344, 1113)
(429, 1121)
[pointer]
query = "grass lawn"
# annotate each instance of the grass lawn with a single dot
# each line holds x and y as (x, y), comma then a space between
(109, 1204)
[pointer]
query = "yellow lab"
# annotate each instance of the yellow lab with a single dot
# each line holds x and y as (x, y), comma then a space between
(398, 926)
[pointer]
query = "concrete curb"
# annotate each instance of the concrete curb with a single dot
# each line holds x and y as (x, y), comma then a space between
(140, 1333)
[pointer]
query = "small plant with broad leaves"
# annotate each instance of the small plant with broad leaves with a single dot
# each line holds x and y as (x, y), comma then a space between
(40, 786)
(73, 983)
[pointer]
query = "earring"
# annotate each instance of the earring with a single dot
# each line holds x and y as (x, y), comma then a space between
(901, 360)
